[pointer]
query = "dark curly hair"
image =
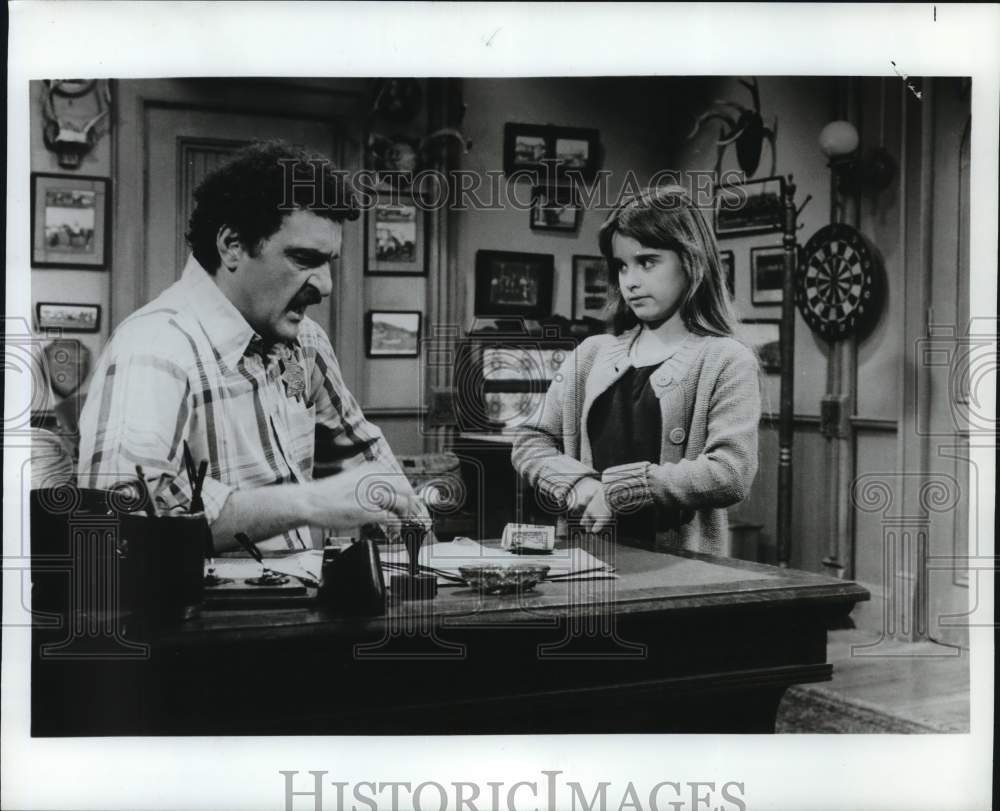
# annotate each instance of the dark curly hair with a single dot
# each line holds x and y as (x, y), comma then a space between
(665, 218)
(254, 191)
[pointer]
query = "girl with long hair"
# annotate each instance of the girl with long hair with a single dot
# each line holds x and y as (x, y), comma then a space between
(652, 429)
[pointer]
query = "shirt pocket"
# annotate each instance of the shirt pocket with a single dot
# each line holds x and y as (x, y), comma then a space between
(302, 437)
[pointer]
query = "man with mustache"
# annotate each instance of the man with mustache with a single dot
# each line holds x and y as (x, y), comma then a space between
(227, 361)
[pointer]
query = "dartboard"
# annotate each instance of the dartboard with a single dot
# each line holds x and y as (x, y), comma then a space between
(840, 283)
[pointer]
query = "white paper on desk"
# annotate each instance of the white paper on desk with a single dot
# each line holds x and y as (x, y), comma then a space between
(446, 558)
(306, 564)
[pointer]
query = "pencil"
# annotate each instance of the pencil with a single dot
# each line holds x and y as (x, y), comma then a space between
(144, 492)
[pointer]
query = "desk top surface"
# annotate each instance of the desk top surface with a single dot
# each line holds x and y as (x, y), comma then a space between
(648, 582)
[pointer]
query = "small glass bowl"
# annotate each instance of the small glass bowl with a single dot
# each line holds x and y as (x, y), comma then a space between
(494, 578)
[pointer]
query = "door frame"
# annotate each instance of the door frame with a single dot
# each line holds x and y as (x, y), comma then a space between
(922, 446)
(340, 102)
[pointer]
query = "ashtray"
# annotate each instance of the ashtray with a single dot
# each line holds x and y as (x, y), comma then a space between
(494, 578)
(268, 578)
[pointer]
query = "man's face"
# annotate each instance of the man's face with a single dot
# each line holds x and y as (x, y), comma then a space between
(290, 271)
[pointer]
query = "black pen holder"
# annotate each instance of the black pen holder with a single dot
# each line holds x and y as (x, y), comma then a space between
(91, 556)
(162, 562)
(352, 581)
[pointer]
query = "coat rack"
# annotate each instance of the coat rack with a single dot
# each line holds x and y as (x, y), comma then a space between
(786, 416)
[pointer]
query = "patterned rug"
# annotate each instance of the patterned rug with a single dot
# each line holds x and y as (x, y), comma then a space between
(813, 710)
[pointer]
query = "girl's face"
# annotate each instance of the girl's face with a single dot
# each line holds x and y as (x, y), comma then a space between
(652, 281)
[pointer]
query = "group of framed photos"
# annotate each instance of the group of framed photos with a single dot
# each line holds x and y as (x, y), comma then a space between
(553, 158)
(396, 246)
(510, 283)
(753, 207)
(535, 150)
(744, 209)
(70, 217)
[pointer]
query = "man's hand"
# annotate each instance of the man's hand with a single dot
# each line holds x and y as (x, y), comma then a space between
(363, 495)
(598, 514)
(366, 494)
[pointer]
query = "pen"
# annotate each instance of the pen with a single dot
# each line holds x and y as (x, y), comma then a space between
(144, 492)
(250, 546)
(197, 505)
(189, 463)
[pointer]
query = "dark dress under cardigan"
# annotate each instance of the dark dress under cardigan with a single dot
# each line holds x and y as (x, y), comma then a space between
(624, 425)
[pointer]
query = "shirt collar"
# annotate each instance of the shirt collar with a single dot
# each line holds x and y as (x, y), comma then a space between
(227, 330)
(660, 355)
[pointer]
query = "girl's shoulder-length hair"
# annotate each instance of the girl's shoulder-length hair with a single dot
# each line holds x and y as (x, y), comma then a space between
(665, 218)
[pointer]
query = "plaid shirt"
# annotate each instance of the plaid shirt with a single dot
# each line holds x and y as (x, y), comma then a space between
(187, 366)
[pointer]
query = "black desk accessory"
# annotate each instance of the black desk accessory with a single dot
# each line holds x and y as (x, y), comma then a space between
(413, 584)
(352, 581)
(267, 577)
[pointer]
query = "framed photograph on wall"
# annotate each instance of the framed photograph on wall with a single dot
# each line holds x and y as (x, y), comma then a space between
(752, 207)
(728, 261)
(527, 148)
(517, 284)
(554, 208)
(590, 286)
(392, 333)
(764, 337)
(69, 221)
(396, 242)
(767, 274)
(68, 317)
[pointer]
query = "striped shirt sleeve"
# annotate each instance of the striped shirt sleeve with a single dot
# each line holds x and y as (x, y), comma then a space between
(354, 439)
(138, 412)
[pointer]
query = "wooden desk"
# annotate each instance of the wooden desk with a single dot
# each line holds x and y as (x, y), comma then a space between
(685, 643)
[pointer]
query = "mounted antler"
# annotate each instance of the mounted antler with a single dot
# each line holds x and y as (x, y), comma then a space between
(746, 130)
(71, 139)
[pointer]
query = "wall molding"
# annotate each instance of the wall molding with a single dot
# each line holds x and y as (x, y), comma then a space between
(395, 413)
(770, 420)
(875, 424)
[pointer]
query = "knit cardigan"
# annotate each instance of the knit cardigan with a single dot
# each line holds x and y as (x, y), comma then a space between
(709, 395)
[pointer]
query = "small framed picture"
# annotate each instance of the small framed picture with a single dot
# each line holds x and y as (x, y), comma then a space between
(764, 337)
(767, 274)
(590, 286)
(752, 207)
(69, 221)
(396, 236)
(515, 284)
(728, 261)
(554, 208)
(68, 317)
(392, 333)
(529, 147)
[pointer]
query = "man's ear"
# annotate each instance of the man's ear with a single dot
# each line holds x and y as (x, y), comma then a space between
(230, 247)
